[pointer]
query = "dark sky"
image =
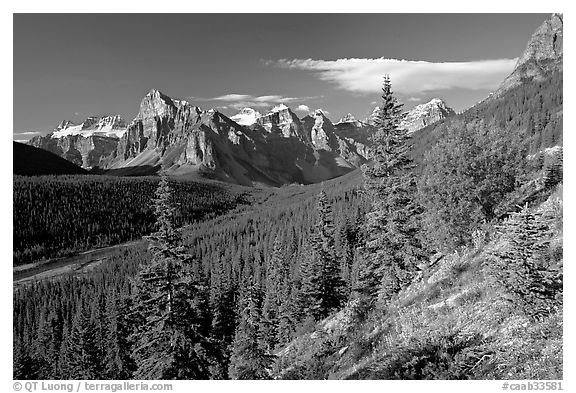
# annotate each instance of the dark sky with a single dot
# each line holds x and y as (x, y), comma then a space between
(69, 66)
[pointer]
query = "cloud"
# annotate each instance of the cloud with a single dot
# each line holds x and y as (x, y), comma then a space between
(413, 99)
(408, 76)
(26, 133)
(239, 101)
(303, 108)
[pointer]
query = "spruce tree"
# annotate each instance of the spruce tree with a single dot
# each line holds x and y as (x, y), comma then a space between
(272, 299)
(169, 342)
(223, 318)
(332, 287)
(250, 360)
(309, 296)
(118, 360)
(393, 248)
(82, 358)
(521, 267)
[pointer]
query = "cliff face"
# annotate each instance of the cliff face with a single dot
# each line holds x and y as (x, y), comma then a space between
(89, 144)
(283, 121)
(543, 54)
(86, 152)
(426, 114)
(177, 137)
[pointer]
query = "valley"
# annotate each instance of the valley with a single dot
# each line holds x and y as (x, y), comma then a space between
(188, 244)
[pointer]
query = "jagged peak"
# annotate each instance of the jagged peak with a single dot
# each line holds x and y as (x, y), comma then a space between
(65, 124)
(347, 118)
(246, 116)
(278, 108)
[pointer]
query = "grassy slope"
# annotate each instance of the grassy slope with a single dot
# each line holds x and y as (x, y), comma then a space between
(453, 323)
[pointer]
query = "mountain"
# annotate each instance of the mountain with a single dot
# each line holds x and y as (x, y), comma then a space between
(31, 161)
(529, 101)
(542, 56)
(246, 117)
(421, 115)
(107, 126)
(87, 144)
(177, 137)
(282, 120)
(425, 114)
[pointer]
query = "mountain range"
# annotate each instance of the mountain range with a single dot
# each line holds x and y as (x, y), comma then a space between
(248, 148)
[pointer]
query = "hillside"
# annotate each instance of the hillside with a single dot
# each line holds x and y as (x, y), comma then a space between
(31, 161)
(423, 245)
(456, 321)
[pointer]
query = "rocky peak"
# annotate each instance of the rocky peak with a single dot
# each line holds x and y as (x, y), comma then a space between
(322, 133)
(65, 124)
(543, 54)
(156, 104)
(246, 117)
(281, 119)
(546, 42)
(425, 114)
(348, 118)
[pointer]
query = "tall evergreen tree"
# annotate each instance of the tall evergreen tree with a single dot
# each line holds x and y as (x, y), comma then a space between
(169, 341)
(309, 296)
(82, 358)
(272, 300)
(250, 360)
(223, 318)
(521, 267)
(393, 247)
(332, 287)
(118, 361)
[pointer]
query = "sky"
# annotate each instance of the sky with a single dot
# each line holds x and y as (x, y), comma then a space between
(71, 66)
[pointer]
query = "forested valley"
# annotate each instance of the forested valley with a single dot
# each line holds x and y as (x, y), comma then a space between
(357, 277)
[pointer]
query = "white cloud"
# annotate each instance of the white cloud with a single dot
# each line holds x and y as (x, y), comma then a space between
(27, 133)
(408, 76)
(303, 108)
(239, 101)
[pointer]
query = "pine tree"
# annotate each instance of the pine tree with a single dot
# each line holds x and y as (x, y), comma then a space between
(169, 341)
(272, 299)
(250, 360)
(392, 248)
(46, 347)
(118, 361)
(521, 268)
(24, 366)
(223, 319)
(553, 169)
(82, 358)
(309, 297)
(332, 287)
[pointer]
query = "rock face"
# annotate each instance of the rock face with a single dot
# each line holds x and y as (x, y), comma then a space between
(177, 137)
(281, 120)
(426, 114)
(89, 144)
(421, 115)
(542, 56)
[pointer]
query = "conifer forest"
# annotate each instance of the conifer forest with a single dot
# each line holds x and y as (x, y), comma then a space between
(438, 256)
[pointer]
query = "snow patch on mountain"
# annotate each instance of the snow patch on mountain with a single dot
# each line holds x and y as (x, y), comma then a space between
(246, 117)
(109, 126)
